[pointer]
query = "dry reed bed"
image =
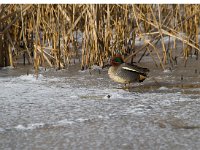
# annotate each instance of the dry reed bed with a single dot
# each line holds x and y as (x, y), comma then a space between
(46, 35)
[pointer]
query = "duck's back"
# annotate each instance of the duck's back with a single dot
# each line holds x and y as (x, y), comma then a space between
(135, 68)
(126, 73)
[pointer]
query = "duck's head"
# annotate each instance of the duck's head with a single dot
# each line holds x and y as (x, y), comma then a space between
(116, 60)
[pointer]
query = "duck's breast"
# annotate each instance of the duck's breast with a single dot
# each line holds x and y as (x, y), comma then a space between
(118, 74)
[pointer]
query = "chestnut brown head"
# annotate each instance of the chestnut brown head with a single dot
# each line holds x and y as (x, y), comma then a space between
(117, 60)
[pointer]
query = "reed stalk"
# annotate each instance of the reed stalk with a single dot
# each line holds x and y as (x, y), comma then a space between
(49, 32)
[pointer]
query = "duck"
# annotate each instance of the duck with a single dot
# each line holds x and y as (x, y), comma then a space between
(126, 73)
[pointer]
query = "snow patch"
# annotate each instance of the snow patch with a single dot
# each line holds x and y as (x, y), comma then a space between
(167, 71)
(82, 119)
(64, 122)
(2, 130)
(30, 126)
(31, 77)
(163, 88)
(138, 109)
(55, 79)
(95, 67)
(181, 99)
(73, 96)
(7, 68)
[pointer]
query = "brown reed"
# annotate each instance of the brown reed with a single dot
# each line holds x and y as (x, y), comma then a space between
(47, 35)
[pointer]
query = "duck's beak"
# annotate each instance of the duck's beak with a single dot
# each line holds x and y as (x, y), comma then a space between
(106, 66)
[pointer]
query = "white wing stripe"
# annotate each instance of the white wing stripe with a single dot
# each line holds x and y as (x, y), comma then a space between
(131, 69)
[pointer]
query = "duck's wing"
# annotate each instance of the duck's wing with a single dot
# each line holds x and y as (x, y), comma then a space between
(134, 68)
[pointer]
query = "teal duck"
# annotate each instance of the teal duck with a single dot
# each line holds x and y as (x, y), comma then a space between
(126, 73)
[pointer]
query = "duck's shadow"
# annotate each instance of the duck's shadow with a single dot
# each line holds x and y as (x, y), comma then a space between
(164, 87)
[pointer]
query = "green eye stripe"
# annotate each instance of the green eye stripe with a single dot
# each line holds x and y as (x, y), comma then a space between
(117, 59)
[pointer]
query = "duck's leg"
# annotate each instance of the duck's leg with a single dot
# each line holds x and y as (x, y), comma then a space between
(127, 86)
(124, 87)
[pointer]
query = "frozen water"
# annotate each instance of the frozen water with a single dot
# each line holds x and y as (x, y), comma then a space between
(71, 109)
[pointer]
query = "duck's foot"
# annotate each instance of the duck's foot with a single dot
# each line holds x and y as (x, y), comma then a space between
(127, 87)
(132, 88)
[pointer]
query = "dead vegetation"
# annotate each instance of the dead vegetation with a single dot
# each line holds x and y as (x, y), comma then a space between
(57, 35)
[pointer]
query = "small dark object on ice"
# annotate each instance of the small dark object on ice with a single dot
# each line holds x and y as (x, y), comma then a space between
(108, 96)
(149, 107)
(181, 77)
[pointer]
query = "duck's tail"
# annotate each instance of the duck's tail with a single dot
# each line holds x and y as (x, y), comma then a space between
(142, 78)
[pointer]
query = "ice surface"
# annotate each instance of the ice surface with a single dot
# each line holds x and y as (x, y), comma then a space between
(79, 110)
